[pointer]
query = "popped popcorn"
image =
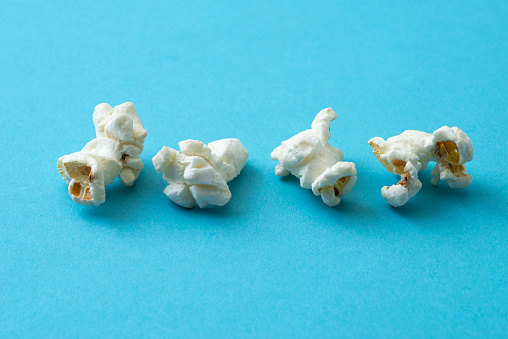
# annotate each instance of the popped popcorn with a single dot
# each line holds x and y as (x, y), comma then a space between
(317, 164)
(199, 173)
(115, 152)
(122, 123)
(411, 151)
(453, 150)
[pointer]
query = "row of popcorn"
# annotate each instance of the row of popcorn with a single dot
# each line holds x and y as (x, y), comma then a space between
(198, 174)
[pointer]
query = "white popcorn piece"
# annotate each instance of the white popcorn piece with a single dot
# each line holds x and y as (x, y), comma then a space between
(122, 123)
(114, 153)
(199, 173)
(317, 164)
(453, 150)
(410, 152)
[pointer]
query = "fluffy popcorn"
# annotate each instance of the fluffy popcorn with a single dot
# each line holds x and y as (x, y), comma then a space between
(411, 151)
(317, 164)
(122, 123)
(199, 173)
(453, 150)
(114, 153)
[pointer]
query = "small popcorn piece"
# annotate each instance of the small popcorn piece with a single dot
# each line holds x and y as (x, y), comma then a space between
(317, 164)
(397, 195)
(335, 182)
(198, 174)
(114, 153)
(410, 152)
(453, 149)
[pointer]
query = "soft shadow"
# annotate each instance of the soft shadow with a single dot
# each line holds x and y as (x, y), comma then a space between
(127, 208)
(124, 203)
(441, 201)
(289, 179)
(353, 208)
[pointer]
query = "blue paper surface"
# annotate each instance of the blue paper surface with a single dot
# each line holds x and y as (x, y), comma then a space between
(275, 261)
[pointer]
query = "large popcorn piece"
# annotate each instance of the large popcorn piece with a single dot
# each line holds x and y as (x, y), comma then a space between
(114, 153)
(317, 164)
(199, 173)
(411, 151)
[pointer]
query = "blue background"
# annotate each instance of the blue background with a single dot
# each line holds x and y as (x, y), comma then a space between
(275, 261)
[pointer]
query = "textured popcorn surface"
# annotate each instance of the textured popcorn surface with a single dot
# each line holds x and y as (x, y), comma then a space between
(114, 153)
(411, 151)
(317, 164)
(198, 174)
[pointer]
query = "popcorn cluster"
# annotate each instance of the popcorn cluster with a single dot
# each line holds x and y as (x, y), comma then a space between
(114, 153)
(199, 173)
(317, 164)
(411, 151)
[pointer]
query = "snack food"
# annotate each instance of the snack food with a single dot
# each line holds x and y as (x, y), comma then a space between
(317, 164)
(115, 152)
(411, 151)
(199, 173)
